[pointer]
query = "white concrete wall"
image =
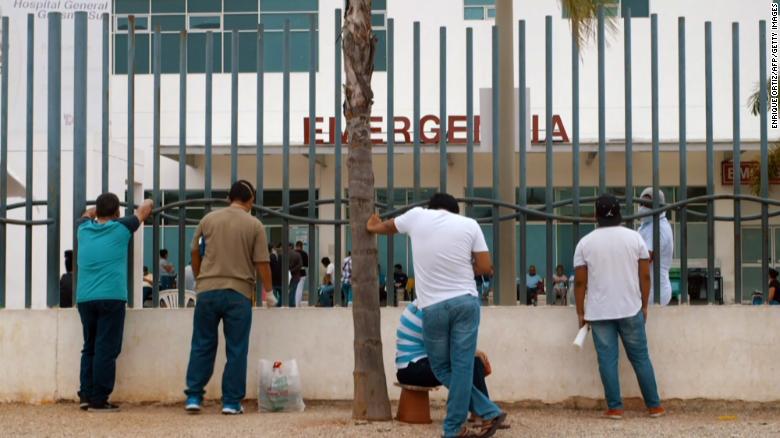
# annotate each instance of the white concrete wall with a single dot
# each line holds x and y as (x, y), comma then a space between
(698, 353)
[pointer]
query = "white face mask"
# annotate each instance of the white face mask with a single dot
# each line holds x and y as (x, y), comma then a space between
(645, 210)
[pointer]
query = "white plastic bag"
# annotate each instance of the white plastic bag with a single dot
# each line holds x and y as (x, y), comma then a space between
(280, 387)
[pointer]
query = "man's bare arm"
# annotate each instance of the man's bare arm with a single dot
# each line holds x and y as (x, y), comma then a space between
(375, 225)
(195, 262)
(264, 270)
(644, 283)
(580, 287)
(144, 210)
(482, 263)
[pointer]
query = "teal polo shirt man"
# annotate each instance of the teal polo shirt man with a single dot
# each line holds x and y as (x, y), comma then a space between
(101, 290)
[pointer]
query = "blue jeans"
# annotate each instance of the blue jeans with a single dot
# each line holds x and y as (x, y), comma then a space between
(450, 335)
(346, 293)
(103, 323)
(235, 312)
(632, 332)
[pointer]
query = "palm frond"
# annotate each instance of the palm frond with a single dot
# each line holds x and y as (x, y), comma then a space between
(754, 99)
(583, 16)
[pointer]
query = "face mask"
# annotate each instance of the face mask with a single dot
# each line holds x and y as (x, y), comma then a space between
(645, 210)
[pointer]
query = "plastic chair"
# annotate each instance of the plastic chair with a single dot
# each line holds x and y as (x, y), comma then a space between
(169, 299)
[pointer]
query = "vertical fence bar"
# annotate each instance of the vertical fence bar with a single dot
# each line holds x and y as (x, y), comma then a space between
(602, 51)
(443, 109)
(260, 146)
(656, 157)
(259, 142)
(523, 162)
(762, 99)
(182, 160)
(4, 162)
(495, 167)
(469, 119)
(737, 149)
(104, 107)
(337, 140)
(79, 132)
(208, 143)
(390, 284)
(28, 205)
(54, 143)
(286, 162)
(548, 151)
(314, 259)
(130, 193)
(416, 110)
(234, 54)
(629, 135)
(710, 162)
(157, 66)
(683, 154)
(575, 139)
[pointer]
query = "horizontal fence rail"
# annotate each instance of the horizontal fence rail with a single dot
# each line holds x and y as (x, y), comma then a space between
(520, 212)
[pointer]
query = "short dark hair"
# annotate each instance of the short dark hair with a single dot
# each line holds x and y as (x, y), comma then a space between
(444, 201)
(146, 270)
(107, 205)
(325, 261)
(163, 253)
(242, 191)
(299, 243)
(773, 274)
(398, 266)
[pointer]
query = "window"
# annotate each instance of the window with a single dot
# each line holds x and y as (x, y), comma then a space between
(379, 26)
(479, 9)
(619, 8)
(274, 14)
(197, 17)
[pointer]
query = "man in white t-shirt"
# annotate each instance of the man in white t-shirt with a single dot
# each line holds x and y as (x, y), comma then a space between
(612, 265)
(448, 249)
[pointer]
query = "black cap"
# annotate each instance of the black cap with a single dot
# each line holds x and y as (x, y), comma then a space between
(608, 211)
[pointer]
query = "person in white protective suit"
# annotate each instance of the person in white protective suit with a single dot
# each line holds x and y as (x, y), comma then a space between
(666, 241)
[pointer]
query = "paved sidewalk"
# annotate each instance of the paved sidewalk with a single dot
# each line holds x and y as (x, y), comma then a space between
(322, 419)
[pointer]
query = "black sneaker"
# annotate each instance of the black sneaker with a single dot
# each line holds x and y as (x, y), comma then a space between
(103, 407)
(83, 404)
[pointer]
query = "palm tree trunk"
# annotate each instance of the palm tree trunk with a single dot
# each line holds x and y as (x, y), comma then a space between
(370, 397)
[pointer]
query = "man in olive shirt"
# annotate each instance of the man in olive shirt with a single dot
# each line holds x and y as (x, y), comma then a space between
(236, 249)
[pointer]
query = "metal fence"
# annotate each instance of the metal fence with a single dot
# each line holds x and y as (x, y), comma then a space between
(520, 212)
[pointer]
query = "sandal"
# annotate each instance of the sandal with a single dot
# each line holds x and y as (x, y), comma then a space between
(489, 428)
(465, 432)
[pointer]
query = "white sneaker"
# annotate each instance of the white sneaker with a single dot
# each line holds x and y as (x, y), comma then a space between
(232, 409)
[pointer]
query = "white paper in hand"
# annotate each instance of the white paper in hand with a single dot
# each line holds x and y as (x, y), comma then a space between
(579, 341)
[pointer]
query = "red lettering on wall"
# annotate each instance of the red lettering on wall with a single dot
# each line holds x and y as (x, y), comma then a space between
(406, 124)
(452, 129)
(558, 129)
(477, 129)
(376, 128)
(423, 135)
(307, 134)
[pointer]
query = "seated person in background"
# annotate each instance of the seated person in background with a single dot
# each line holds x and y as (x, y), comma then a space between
(411, 360)
(774, 288)
(561, 285)
(66, 282)
(400, 279)
(534, 285)
(148, 281)
(327, 288)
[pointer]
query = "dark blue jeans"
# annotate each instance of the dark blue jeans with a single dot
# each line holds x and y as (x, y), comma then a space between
(450, 335)
(290, 293)
(235, 312)
(632, 332)
(103, 323)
